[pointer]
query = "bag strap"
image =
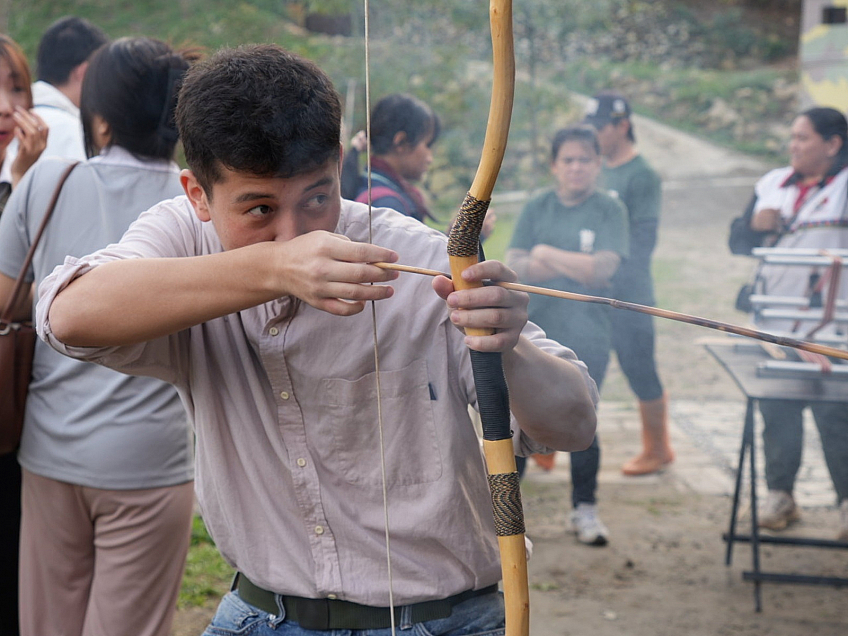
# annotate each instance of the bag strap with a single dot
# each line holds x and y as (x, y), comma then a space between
(17, 290)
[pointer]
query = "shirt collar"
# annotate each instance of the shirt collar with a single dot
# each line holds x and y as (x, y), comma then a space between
(796, 177)
(47, 95)
(116, 155)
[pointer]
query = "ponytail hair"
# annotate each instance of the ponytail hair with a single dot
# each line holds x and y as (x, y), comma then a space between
(132, 84)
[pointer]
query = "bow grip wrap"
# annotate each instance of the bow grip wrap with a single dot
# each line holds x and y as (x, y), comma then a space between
(492, 394)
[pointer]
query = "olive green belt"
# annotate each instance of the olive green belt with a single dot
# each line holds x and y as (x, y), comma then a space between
(326, 613)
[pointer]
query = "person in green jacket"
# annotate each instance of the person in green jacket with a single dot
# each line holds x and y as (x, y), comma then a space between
(573, 238)
(627, 175)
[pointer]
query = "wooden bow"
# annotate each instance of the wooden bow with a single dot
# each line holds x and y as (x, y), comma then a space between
(492, 394)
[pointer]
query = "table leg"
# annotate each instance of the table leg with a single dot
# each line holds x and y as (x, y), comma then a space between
(740, 469)
(755, 531)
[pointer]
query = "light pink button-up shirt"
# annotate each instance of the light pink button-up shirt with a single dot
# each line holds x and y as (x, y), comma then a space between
(288, 454)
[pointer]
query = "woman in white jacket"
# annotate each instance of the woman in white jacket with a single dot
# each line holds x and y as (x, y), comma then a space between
(804, 205)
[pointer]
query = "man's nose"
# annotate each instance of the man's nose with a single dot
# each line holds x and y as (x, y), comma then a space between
(6, 105)
(286, 227)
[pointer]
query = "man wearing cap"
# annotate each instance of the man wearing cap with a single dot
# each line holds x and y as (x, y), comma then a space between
(627, 175)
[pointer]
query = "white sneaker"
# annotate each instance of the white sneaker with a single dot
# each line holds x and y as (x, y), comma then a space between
(778, 511)
(588, 526)
(843, 521)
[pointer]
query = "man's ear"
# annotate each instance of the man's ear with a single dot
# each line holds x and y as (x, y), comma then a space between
(196, 195)
(78, 72)
(399, 139)
(834, 145)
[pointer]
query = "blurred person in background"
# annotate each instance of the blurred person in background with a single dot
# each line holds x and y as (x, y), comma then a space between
(573, 238)
(627, 175)
(61, 62)
(804, 205)
(107, 495)
(403, 131)
(17, 122)
(19, 125)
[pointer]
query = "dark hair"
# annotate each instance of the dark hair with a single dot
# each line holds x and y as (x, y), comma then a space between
(132, 84)
(583, 133)
(830, 123)
(15, 57)
(259, 110)
(402, 113)
(66, 44)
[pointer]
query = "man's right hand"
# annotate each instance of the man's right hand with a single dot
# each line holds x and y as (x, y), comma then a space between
(332, 273)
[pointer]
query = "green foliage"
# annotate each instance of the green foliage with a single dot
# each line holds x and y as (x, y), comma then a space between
(689, 92)
(496, 245)
(440, 51)
(207, 575)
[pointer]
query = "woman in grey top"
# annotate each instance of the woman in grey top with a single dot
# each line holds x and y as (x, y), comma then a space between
(17, 122)
(107, 458)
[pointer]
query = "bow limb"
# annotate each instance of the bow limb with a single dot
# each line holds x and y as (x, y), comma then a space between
(492, 394)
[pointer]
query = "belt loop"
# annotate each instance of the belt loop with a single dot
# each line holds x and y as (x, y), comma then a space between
(234, 585)
(281, 608)
(405, 619)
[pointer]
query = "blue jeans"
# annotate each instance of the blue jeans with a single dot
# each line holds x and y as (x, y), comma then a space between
(479, 616)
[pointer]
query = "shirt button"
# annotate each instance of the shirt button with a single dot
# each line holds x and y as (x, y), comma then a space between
(273, 331)
(301, 462)
(284, 395)
(332, 597)
(319, 530)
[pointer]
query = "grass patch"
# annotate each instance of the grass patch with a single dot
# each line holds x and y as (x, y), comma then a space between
(207, 575)
(680, 97)
(497, 243)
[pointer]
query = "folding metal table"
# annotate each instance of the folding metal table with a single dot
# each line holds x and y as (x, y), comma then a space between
(750, 367)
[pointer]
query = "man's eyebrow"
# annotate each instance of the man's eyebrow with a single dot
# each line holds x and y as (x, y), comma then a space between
(318, 184)
(252, 196)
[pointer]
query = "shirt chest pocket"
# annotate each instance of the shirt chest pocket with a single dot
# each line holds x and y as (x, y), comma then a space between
(410, 438)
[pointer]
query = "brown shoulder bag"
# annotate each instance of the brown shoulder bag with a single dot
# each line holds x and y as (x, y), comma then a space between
(17, 345)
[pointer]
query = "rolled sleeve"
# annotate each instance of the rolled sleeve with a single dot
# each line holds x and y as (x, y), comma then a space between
(49, 288)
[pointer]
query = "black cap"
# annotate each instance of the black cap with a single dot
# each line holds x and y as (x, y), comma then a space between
(606, 107)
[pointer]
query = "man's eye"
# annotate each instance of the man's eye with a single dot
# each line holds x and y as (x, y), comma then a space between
(260, 210)
(316, 202)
